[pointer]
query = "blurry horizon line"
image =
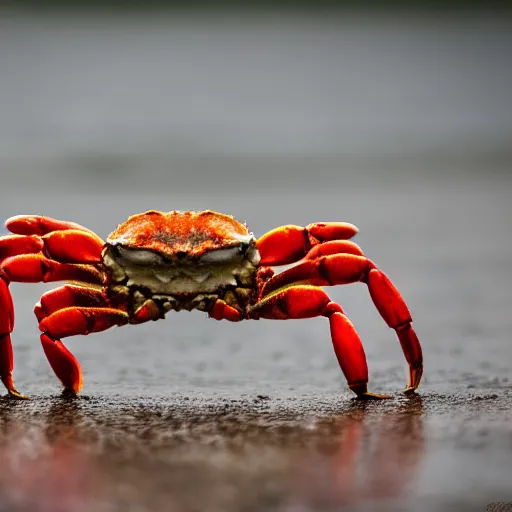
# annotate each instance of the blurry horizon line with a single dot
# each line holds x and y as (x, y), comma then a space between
(213, 173)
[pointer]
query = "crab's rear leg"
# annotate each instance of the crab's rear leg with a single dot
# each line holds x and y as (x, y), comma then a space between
(6, 327)
(337, 269)
(11, 245)
(288, 244)
(67, 311)
(304, 301)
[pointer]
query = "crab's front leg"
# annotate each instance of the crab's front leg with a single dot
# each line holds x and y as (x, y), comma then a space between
(304, 301)
(337, 269)
(67, 311)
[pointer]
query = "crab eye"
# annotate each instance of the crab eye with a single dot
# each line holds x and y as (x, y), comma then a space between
(140, 257)
(244, 246)
(221, 255)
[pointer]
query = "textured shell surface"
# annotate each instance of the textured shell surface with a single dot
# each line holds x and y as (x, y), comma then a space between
(180, 233)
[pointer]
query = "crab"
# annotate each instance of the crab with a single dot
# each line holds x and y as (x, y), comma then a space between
(156, 262)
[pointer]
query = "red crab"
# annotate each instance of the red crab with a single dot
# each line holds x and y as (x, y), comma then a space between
(157, 262)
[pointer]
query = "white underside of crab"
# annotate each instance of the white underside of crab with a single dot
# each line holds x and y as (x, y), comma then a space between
(214, 270)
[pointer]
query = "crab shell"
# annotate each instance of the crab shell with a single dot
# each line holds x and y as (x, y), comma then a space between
(181, 253)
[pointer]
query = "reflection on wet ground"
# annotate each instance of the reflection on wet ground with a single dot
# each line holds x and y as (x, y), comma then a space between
(254, 454)
(238, 455)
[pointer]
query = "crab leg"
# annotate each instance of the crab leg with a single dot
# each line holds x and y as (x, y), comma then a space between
(6, 327)
(70, 310)
(36, 268)
(77, 318)
(304, 301)
(221, 310)
(70, 246)
(67, 296)
(81, 320)
(288, 244)
(73, 246)
(348, 268)
(334, 247)
(39, 225)
(12, 245)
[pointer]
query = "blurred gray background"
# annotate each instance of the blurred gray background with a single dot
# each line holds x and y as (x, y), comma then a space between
(397, 121)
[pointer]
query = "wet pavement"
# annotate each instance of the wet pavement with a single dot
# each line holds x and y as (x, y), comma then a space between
(256, 453)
